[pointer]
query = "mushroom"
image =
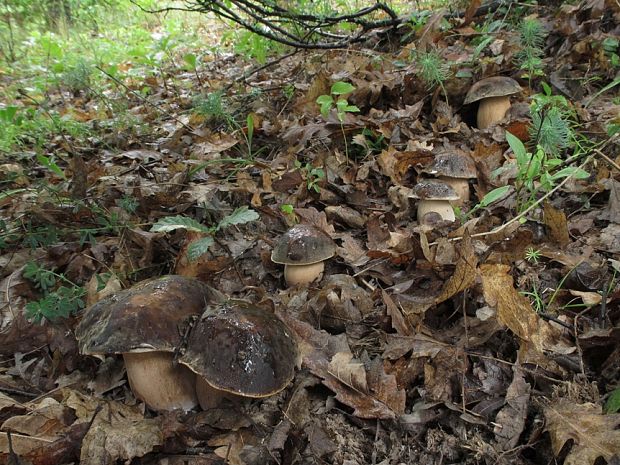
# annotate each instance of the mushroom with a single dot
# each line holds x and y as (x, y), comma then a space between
(238, 349)
(302, 250)
(143, 324)
(434, 199)
(494, 96)
(454, 170)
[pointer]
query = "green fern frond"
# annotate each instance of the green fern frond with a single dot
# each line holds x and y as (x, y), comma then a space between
(551, 129)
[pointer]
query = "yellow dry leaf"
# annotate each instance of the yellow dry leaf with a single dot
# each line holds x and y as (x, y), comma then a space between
(594, 435)
(515, 311)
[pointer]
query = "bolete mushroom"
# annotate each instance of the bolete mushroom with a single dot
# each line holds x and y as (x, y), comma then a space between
(302, 250)
(434, 199)
(455, 170)
(144, 324)
(494, 96)
(238, 349)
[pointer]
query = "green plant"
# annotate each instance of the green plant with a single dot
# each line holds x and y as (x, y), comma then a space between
(313, 176)
(611, 46)
(613, 402)
(59, 301)
(337, 100)
(432, 69)
(532, 255)
(197, 248)
(552, 117)
(536, 172)
(214, 107)
(532, 36)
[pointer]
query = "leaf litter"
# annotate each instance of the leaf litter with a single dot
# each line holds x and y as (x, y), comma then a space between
(468, 342)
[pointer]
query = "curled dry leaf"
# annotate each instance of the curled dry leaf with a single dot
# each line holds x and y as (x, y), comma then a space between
(372, 395)
(516, 312)
(510, 420)
(593, 434)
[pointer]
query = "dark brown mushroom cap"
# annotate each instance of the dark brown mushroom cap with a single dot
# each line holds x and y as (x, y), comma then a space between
(242, 349)
(496, 86)
(144, 317)
(429, 189)
(303, 245)
(452, 165)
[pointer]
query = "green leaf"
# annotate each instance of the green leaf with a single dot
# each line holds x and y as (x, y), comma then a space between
(325, 100)
(351, 109)
(51, 165)
(340, 88)
(190, 59)
(240, 216)
(573, 171)
(172, 223)
(250, 124)
(516, 145)
(613, 402)
(198, 248)
(494, 196)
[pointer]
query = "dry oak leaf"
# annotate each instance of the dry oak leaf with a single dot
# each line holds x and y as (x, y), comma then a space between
(516, 312)
(464, 275)
(372, 395)
(594, 435)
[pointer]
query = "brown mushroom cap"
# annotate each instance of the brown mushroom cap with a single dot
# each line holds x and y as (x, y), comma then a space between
(143, 318)
(303, 245)
(428, 189)
(496, 86)
(241, 349)
(452, 165)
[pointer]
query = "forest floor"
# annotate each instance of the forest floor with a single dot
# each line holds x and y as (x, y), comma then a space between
(494, 338)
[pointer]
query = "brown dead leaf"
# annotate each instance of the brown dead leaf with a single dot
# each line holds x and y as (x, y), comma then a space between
(373, 395)
(514, 310)
(399, 322)
(464, 275)
(593, 434)
(510, 420)
(555, 220)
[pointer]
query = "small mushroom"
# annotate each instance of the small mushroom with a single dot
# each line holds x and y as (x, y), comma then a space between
(455, 170)
(434, 199)
(144, 324)
(238, 349)
(494, 96)
(303, 250)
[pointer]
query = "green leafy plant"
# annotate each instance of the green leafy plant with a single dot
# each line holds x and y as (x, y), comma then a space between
(313, 176)
(59, 301)
(214, 107)
(532, 36)
(197, 248)
(537, 172)
(613, 402)
(337, 100)
(552, 117)
(432, 69)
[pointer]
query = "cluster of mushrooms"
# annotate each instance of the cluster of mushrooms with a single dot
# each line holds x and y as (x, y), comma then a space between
(232, 348)
(180, 352)
(445, 183)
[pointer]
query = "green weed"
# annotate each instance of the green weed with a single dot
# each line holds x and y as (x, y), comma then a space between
(532, 39)
(197, 248)
(432, 69)
(313, 176)
(59, 300)
(337, 101)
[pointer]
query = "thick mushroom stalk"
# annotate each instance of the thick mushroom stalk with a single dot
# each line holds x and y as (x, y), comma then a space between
(492, 110)
(154, 379)
(299, 275)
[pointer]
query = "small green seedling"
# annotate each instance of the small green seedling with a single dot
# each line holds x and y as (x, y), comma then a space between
(337, 101)
(313, 176)
(532, 255)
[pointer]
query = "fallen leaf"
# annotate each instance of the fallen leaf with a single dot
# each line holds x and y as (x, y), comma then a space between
(464, 275)
(510, 420)
(555, 220)
(593, 434)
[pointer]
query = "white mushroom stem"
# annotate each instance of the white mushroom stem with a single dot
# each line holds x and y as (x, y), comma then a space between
(440, 207)
(491, 110)
(162, 385)
(303, 274)
(460, 186)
